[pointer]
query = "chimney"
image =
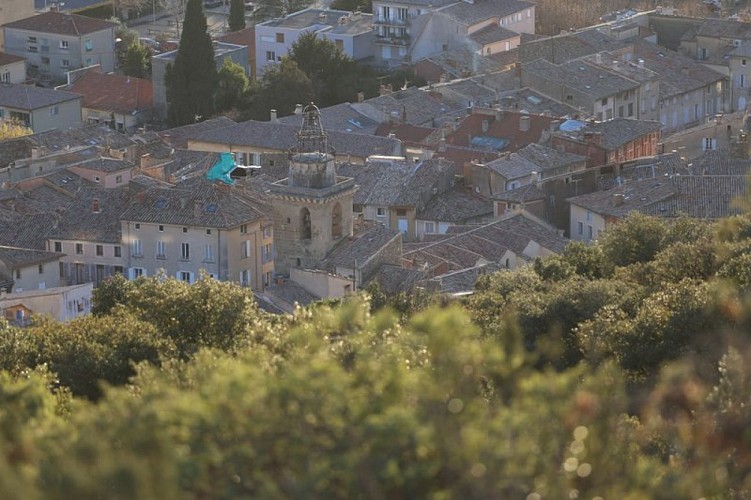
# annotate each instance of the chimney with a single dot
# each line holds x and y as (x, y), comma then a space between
(144, 161)
(524, 123)
(618, 199)
(214, 44)
(298, 109)
(360, 96)
(593, 137)
(444, 78)
(640, 63)
(615, 63)
(598, 58)
(534, 178)
(485, 126)
(140, 197)
(554, 126)
(273, 117)
(385, 89)
(498, 114)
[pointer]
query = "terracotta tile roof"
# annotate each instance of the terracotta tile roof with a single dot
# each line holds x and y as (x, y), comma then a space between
(81, 222)
(340, 117)
(28, 97)
(360, 248)
(521, 195)
(409, 134)
(6, 58)
(113, 93)
(200, 203)
(21, 257)
(395, 279)
(456, 206)
(702, 196)
(245, 37)
(721, 162)
(492, 33)
(617, 132)
(178, 137)
(621, 200)
(282, 137)
(61, 24)
(508, 128)
(462, 281)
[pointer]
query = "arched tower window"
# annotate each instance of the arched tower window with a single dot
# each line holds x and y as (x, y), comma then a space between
(336, 221)
(305, 229)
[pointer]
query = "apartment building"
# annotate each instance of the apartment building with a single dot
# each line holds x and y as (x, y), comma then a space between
(200, 226)
(54, 43)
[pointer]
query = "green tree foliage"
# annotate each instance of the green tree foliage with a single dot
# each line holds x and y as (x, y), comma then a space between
(335, 77)
(232, 86)
(137, 61)
(236, 19)
(575, 377)
(191, 80)
(283, 86)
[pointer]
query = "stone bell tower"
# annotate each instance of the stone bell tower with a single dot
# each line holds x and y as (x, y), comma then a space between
(312, 206)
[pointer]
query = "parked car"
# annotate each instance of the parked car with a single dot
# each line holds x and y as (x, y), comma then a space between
(150, 43)
(211, 4)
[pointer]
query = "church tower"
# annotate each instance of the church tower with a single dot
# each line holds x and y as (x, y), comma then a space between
(312, 206)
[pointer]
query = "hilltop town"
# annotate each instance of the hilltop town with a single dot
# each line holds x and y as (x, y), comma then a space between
(516, 144)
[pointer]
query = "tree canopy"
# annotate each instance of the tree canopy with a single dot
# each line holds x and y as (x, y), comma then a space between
(236, 20)
(611, 371)
(191, 80)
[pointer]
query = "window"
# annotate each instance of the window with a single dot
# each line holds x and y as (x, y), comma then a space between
(280, 38)
(306, 229)
(336, 221)
(245, 277)
(64, 63)
(61, 269)
(117, 251)
(604, 102)
(64, 44)
(161, 228)
(580, 227)
(339, 44)
(136, 248)
(136, 272)
(244, 228)
(185, 230)
(41, 268)
(45, 61)
(54, 110)
(380, 211)
(32, 39)
(270, 56)
(58, 246)
(208, 231)
(266, 252)
(185, 276)
(620, 111)
(529, 13)
(161, 250)
(96, 178)
(401, 13)
(5, 77)
(245, 249)
(118, 270)
(99, 250)
(741, 80)
(743, 62)
(429, 227)
(89, 62)
(185, 251)
(266, 231)
(79, 248)
(631, 109)
(589, 232)
(118, 179)
(18, 274)
(208, 253)
(88, 46)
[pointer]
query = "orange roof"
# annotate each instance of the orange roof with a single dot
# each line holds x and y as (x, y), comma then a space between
(113, 93)
(509, 127)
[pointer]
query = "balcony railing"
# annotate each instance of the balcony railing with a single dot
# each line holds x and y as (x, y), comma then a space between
(392, 21)
(392, 39)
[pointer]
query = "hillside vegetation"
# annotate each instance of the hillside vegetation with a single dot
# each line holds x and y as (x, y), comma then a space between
(617, 370)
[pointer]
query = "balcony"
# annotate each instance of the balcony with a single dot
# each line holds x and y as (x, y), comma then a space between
(392, 39)
(383, 21)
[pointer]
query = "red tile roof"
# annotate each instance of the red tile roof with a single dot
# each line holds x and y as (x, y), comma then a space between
(410, 134)
(9, 58)
(114, 93)
(509, 128)
(61, 24)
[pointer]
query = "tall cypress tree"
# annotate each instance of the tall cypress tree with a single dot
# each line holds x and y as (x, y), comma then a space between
(191, 80)
(236, 15)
